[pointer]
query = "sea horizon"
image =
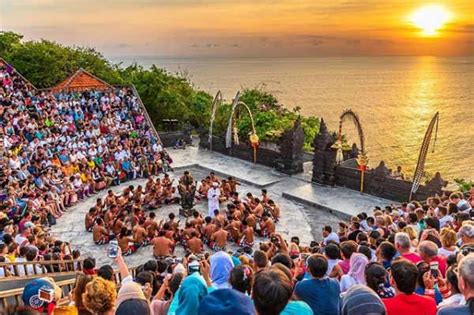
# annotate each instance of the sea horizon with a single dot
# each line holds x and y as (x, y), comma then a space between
(325, 86)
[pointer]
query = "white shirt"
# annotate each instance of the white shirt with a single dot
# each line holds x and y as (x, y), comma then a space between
(331, 237)
(445, 253)
(442, 221)
(347, 281)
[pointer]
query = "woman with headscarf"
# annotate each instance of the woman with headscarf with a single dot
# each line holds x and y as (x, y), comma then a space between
(356, 273)
(192, 290)
(221, 265)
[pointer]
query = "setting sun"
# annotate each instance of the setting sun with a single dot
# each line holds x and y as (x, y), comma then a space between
(430, 18)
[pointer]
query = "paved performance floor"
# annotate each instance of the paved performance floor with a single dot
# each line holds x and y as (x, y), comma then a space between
(298, 217)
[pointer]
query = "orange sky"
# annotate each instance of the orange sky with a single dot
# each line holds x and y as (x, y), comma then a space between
(240, 28)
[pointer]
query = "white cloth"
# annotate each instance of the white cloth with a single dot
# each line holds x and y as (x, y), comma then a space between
(347, 281)
(213, 200)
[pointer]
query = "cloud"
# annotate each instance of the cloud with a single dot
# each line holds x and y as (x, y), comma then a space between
(456, 28)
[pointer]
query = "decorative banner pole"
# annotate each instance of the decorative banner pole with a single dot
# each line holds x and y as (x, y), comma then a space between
(420, 165)
(254, 142)
(232, 127)
(217, 102)
(362, 161)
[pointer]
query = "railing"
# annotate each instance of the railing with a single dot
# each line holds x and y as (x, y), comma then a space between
(33, 269)
(11, 299)
(145, 112)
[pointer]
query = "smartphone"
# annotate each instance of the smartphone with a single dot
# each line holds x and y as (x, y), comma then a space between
(113, 249)
(46, 295)
(434, 269)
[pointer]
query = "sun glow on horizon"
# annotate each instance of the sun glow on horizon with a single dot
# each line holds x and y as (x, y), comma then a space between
(430, 18)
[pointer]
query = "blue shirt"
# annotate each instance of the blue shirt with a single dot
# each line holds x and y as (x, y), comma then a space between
(454, 310)
(126, 166)
(297, 308)
(322, 295)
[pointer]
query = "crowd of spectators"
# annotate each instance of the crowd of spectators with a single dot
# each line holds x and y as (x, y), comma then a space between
(57, 149)
(416, 258)
(400, 260)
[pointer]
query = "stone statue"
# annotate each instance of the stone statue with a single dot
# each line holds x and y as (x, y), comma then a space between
(187, 190)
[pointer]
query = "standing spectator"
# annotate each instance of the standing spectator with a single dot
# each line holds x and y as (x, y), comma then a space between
(448, 243)
(376, 279)
(360, 300)
(403, 244)
(329, 235)
(403, 279)
(271, 292)
(321, 293)
(429, 253)
(99, 296)
(466, 286)
(356, 272)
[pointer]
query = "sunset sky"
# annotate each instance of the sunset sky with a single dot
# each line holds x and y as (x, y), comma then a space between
(242, 28)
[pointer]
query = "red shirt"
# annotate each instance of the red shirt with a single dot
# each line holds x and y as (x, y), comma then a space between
(410, 304)
(414, 258)
(441, 264)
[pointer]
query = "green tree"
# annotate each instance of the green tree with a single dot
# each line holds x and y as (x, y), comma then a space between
(9, 41)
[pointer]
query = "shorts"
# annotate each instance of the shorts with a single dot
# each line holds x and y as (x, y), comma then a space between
(131, 249)
(243, 243)
(145, 242)
(218, 248)
(103, 240)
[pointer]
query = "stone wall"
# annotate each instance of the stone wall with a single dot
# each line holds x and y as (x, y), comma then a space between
(377, 181)
(285, 155)
(242, 151)
(382, 185)
(169, 138)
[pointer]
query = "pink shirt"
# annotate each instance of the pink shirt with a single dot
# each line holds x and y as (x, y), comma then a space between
(345, 265)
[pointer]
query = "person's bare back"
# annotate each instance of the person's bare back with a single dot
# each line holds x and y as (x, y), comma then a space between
(220, 238)
(162, 246)
(139, 234)
(209, 230)
(98, 232)
(248, 234)
(195, 245)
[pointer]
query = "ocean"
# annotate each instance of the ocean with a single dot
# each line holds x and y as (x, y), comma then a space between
(395, 98)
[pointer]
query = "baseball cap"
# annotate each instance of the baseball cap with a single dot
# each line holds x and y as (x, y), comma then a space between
(30, 295)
